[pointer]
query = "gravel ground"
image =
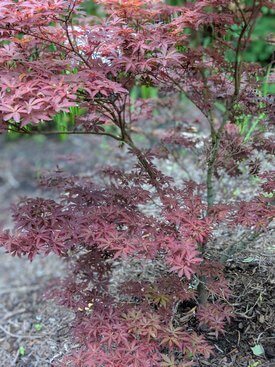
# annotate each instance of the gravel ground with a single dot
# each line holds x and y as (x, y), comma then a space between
(33, 331)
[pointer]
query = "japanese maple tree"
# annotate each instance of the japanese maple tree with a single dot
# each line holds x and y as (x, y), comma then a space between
(54, 57)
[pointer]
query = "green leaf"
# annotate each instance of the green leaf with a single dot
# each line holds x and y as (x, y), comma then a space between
(248, 260)
(258, 350)
(22, 351)
(254, 364)
(37, 327)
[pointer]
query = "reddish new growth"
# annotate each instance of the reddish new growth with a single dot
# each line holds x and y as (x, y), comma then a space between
(53, 57)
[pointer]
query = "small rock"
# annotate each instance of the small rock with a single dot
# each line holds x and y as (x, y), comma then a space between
(26, 325)
(6, 345)
(270, 351)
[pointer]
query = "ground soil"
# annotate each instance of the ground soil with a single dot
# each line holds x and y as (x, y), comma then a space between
(35, 332)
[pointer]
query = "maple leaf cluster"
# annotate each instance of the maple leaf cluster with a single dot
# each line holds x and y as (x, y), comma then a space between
(97, 226)
(50, 62)
(54, 57)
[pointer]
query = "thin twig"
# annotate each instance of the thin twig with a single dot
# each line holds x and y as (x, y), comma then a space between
(18, 336)
(14, 313)
(18, 289)
(16, 358)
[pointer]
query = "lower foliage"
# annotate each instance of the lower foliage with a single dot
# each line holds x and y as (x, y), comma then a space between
(133, 322)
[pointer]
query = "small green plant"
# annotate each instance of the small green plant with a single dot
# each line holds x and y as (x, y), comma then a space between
(21, 351)
(38, 327)
(254, 364)
(258, 350)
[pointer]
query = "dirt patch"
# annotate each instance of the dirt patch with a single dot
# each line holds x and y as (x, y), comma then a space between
(34, 332)
(254, 302)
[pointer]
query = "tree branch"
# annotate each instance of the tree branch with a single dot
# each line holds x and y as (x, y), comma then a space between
(118, 138)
